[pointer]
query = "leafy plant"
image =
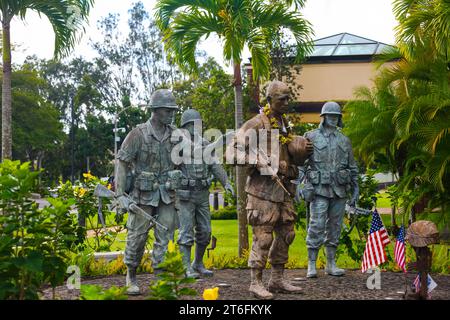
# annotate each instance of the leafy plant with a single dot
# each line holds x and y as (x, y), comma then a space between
(33, 242)
(88, 212)
(225, 213)
(96, 292)
(171, 283)
(354, 247)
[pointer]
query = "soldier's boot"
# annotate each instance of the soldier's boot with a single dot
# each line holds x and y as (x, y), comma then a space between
(277, 283)
(131, 282)
(331, 268)
(197, 264)
(186, 253)
(257, 286)
(312, 257)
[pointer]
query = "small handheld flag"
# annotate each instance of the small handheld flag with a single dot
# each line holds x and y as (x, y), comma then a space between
(378, 238)
(399, 250)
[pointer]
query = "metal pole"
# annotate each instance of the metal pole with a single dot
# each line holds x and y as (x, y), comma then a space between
(72, 141)
(115, 145)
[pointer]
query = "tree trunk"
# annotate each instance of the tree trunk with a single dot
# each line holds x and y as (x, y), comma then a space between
(6, 92)
(393, 222)
(240, 171)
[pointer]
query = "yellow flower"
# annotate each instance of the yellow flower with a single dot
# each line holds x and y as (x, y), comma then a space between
(211, 294)
(223, 14)
(109, 186)
(266, 110)
(88, 175)
(81, 192)
(171, 246)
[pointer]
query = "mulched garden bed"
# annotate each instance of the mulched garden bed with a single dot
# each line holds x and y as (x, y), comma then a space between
(234, 284)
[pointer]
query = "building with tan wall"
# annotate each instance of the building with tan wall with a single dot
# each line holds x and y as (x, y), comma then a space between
(338, 65)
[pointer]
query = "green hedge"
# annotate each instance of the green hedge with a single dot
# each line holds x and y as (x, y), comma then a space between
(225, 213)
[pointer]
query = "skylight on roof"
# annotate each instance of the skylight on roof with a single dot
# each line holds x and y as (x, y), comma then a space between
(344, 44)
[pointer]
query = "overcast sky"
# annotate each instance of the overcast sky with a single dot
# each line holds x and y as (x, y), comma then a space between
(371, 19)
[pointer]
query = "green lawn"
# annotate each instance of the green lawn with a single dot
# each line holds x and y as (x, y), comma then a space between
(226, 232)
(383, 200)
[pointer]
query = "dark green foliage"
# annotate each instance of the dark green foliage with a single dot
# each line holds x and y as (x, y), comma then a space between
(225, 213)
(33, 242)
(171, 283)
(300, 210)
(355, 247)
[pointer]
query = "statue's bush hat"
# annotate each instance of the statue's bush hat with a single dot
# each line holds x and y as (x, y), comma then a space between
(422, 233)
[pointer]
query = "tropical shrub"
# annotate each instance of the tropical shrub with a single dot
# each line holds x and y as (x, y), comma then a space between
(88, 207)
(171, 283)
(33, 242)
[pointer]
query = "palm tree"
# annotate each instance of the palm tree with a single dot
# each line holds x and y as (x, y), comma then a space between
(419, 18)
(237, 24)
(405, 121)
(66, 18)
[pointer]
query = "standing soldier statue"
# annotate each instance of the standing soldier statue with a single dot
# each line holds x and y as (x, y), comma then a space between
(193, 198)
(146, 153)
(270, 190)
(331, 174)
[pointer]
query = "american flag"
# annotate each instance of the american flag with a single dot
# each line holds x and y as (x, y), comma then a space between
(399, 250)
(378, 238)
(430, 284)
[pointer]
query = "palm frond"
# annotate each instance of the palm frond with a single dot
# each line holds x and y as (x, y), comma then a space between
(186, 31)
(67, 17)
(165, 9)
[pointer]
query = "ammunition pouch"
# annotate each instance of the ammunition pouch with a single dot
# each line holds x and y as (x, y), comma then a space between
(146, 181)
(319, 177)
(195, 184)
(308, 192)
(174, 180)
(343, 177)
(313, 177)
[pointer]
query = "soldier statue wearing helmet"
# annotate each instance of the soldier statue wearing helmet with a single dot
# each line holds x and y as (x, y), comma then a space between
(192, 198)
(269, 188)
(146, 153)
(330, 177)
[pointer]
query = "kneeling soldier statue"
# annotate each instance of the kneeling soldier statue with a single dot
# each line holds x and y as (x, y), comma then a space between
(331, 173)
(145, 153)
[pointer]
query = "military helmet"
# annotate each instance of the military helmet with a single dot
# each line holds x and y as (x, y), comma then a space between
(422, 233)
(163, 98)
(331, 107)
(190, 115)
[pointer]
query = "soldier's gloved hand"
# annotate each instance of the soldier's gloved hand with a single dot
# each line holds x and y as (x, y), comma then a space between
(124, 203)
(298, 194)
(229, 188)
(354, 199)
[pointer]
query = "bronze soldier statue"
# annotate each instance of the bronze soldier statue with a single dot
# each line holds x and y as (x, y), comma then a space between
(145, 153)
(270, 191)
